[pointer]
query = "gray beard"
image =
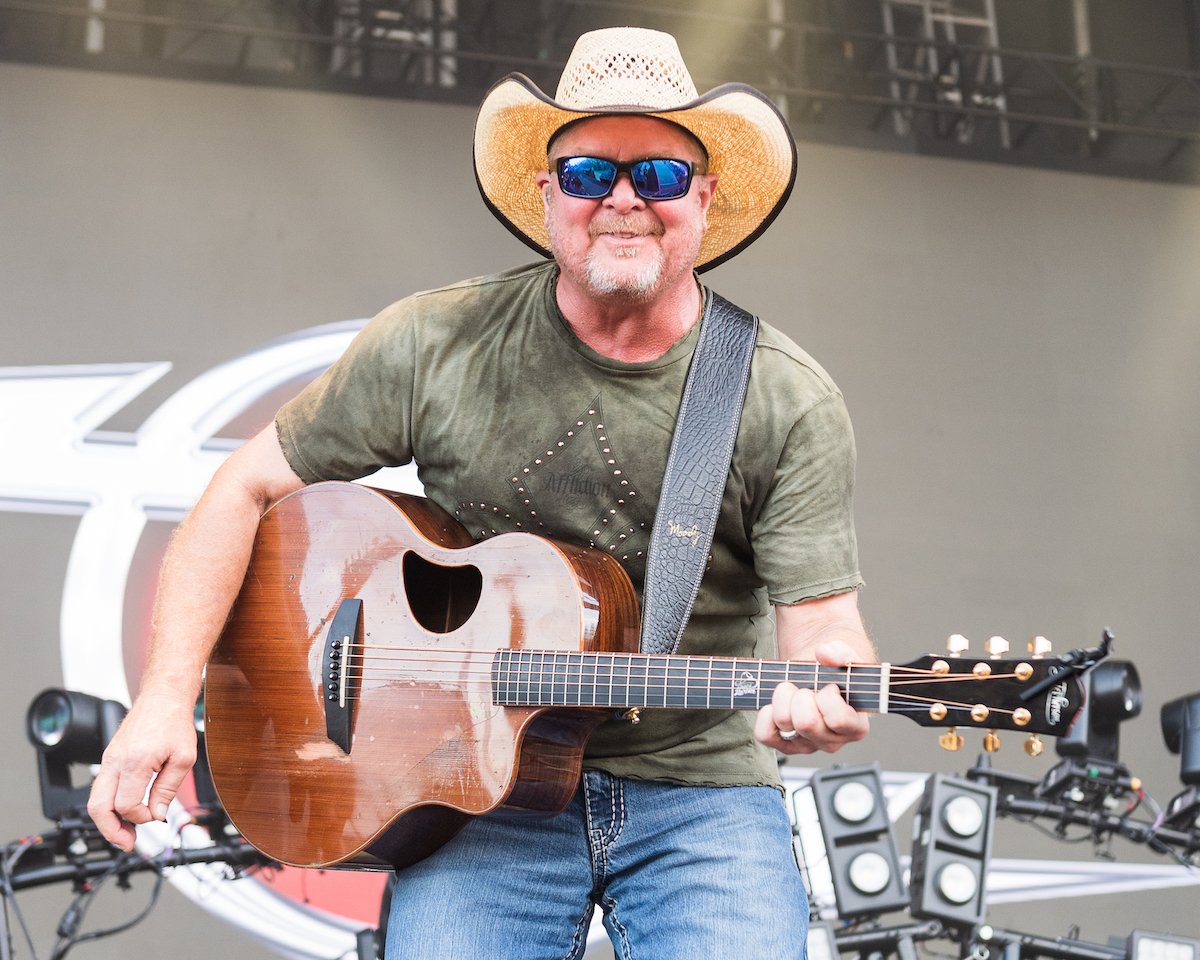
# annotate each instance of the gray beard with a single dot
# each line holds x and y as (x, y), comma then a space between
(640, 286)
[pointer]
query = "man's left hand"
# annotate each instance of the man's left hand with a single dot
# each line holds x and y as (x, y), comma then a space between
(804, 721)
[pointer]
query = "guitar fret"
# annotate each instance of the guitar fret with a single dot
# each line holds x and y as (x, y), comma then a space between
(570, 678)
(653, 666)
(545, 668)
(498, 680)
(525, 691)
(676, 691)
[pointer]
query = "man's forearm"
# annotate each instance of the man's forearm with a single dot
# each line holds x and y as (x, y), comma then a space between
(205, 564)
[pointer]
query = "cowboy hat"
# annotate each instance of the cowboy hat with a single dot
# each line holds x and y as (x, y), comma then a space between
(630, 70)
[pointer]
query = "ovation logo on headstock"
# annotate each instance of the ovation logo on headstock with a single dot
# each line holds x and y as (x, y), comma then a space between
(1057, 701)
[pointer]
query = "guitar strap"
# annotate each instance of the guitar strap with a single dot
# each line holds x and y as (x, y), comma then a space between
(697, 470)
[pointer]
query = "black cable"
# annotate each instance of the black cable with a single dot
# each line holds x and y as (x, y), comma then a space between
(62, 950)
(73, 916)
(7, 864)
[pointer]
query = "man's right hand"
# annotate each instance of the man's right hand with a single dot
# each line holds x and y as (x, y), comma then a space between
(154, 747)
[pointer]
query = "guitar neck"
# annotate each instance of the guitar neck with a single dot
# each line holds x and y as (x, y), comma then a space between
(626, 680)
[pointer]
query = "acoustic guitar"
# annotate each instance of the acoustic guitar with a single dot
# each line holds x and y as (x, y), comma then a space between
(383, 678)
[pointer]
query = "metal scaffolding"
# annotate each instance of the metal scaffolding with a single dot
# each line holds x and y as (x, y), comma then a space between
(927, 76)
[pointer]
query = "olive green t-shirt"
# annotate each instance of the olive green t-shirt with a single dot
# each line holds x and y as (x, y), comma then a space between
(516, 424)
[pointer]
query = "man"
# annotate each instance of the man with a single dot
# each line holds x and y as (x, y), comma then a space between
(543, 399)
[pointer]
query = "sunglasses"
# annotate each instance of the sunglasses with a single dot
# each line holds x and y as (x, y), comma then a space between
(594, 177)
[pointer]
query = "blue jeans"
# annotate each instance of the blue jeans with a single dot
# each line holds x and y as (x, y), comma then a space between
(703, 873)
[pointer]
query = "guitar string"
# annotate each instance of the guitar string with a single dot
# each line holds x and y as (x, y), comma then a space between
(552, 658)
(556, 670)
(899, 703)
(919, 707)
(553, 669)
(650, 661)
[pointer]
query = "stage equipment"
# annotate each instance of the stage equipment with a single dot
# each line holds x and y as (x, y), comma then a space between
(822, 945)
(1180, 722)
(1143, 945)
(952, 843)
(1091, 776)
(1114, 695)
(69, 728)
(859, 843)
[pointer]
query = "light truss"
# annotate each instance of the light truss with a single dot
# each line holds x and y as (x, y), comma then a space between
(941, 91)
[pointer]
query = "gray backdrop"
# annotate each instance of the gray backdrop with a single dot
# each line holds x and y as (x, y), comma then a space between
(1018, 348)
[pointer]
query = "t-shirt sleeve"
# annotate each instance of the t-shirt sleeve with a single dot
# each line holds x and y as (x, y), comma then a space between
(357, 416)
(803, 538)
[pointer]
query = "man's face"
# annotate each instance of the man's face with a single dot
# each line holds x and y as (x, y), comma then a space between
(621, 246)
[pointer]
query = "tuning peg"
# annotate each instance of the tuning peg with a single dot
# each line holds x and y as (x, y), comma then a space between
(951, 740)
(1034, 745)
(957, 644)
(996, 647)
(991, 741)
(1039, 647)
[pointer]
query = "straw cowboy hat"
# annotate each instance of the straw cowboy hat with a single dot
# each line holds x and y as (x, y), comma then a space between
(629, 70)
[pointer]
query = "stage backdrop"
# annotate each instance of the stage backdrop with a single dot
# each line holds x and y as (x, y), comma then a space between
(1018, 348)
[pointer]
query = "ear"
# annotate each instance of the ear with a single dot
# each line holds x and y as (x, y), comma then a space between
(706, 187)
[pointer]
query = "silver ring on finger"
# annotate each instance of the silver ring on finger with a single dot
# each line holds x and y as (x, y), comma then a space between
(788, 734)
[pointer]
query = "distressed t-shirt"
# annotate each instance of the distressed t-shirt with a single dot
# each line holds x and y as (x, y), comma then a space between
(517, 425)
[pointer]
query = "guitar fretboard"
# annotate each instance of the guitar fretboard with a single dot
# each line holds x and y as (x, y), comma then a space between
(622, 680)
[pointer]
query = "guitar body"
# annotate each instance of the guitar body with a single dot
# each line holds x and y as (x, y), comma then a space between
(423, 748)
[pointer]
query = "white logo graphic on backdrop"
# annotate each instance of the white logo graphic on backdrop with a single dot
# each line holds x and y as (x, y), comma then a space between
(59, 461)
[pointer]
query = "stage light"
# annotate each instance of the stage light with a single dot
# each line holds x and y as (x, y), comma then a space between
(69, 728)
(952, 843)
(1143, 945)
(957, 882)
(853, 801)
(963, 816)
(1180, 723)
(1114, 695)
(859, 845)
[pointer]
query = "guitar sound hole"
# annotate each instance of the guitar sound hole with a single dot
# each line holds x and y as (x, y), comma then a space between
(441, 598)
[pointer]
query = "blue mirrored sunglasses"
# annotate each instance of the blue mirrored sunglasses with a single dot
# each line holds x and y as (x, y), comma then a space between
(595, 177)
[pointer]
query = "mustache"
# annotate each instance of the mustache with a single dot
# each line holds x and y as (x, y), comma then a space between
(625, 224)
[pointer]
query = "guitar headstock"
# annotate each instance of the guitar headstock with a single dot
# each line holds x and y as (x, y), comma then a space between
(1037, 694)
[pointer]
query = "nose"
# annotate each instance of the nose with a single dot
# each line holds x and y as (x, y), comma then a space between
(623, 197)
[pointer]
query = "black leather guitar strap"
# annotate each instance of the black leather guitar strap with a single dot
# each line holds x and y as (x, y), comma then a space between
(697, 470)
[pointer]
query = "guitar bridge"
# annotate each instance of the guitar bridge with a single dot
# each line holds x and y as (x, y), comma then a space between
(339, 678)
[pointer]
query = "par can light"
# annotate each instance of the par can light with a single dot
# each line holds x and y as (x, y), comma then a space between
(963, 816)
(854, 801)
(958, 883)
(952, 844)
(869, 873)
(859, 845)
